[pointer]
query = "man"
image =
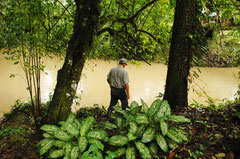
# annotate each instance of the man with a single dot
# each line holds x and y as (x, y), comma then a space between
(118, 80)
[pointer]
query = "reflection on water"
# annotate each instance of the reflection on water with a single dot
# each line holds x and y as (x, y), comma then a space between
(145, 82)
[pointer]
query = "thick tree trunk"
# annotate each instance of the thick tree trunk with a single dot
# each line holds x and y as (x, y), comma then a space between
(79, 46)
(176, 91)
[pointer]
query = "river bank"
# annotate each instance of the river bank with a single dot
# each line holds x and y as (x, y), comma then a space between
(215, 60)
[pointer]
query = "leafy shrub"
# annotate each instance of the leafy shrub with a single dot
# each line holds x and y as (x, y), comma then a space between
(7, 130)
(147, 130)
(139, 131)
(72, 139)
(18, 108)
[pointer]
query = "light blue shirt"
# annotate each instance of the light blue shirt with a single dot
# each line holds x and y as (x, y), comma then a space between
(118, 77)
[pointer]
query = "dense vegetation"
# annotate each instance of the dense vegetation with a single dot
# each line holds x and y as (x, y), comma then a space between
(178, 33)
(48, 26)
(213, 131)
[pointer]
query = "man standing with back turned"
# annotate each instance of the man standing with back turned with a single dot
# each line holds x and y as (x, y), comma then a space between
(118, 80)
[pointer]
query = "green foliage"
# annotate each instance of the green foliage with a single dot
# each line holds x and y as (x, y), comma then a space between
(130, 152)
(133, 30)
(148, 135)
(215, 104)
(56, 154)
(143, 150)
(46, 145)
(7, 130)
(49, 128)
(134, 136)
(219, 41)
(118, 140)
(111, 155)
(43, 23)
(19, 107)
(161, 142)
(93, 153)
(97, 134)
(148, 127)
(94, 111)
(86, 125)
(225, 47)
(30, 31)
(72, 139)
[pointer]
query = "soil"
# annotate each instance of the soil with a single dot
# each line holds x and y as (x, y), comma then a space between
(213, 134)
(19, 142)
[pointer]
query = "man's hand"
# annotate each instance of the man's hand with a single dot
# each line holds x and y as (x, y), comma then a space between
(127, 90)
(128, 96)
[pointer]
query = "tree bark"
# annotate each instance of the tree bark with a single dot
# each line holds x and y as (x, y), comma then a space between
(176, 91)
(68, 77)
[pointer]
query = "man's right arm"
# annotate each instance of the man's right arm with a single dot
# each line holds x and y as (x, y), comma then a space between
(126, 81)
(127, 90)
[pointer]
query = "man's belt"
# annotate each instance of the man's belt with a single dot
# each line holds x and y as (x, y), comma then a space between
(117, 88)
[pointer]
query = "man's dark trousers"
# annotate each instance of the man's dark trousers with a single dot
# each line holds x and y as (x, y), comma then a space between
(117, 94)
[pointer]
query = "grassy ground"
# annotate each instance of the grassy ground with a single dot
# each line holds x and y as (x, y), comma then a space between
(18, 138)
(212, 133)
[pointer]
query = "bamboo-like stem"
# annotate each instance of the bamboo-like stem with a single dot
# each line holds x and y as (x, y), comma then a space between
(38, 59)
(32, 65)
(31, 93)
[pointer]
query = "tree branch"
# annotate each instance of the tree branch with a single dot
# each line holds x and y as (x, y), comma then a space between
(122, 6)
(137, 13)
(142, 59)
(133, 6)
(157, 40)
(58, 19)
(131, 19)
(143, 8)
(66, 8)
(103, 20)
(109, 30)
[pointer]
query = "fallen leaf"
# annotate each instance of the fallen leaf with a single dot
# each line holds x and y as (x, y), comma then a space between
(171, 155)
(194, 131)
(230, 155)
(212, 148)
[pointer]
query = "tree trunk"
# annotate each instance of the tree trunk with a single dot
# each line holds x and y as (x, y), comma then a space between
(68, 77)
(176, 91)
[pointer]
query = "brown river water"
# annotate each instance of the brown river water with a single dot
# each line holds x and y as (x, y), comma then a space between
(145, 82)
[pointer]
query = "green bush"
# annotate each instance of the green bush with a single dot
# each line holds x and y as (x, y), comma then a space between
(7, 130)
(18, 108)
(72, 139)
(138, 131)
(144, 132)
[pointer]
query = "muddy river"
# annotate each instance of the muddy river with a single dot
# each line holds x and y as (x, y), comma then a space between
(145, 82)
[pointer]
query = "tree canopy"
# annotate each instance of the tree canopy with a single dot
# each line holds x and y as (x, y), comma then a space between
(135, 29)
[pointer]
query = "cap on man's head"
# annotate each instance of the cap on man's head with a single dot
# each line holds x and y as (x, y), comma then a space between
(123, 61)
